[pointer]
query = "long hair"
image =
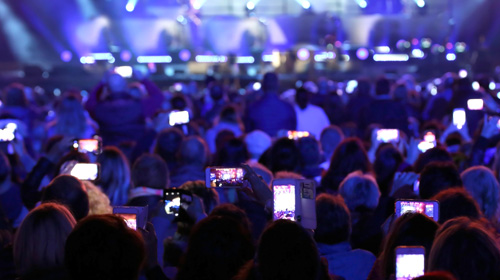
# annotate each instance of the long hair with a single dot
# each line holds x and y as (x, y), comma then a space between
(39, 241)
(71, 119)
(115, 175)
(481, 183)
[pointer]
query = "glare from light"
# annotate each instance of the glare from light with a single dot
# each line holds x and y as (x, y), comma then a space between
(66, 56)
(257, 86)
(130, 7)
(434, 90)
(498, 95)
(417, 53)
(492, 86)
(351, 86)
(126, 56)
(451, 57)
(197, 4)
(391, 57)
(362, 54)
(420, 3)
(303, 54)
(267, 57)
(185, 55)
(245, 59)
(250, 5)
(462, 73)
(210, 58)
(154, 59)
(383, 49)
(362, 4)
(306, 5)
(476, 86)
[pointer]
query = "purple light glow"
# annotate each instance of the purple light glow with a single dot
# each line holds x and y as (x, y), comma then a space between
(303, 54)
(126, 56)
(66, 56)
(185, 55)
(362, 54)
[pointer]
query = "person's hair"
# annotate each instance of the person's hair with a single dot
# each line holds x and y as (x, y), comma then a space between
(302, 97)
(438, 176)
(69, 191)
(387, 161)
(382, 86)
(70, 118)
(284, 155)
(72, 155)
(193, 151)
(349, 156)
(216, 92)
(333, 220)
(330, 138)
(310, 154)
(270, 82)
(98, 201)
(411, 229)
(482, 184)
(436, 154)
(179, 102)
(115, 175)
(464, 248)
(400, 93)
(257, 143)
(456, 202)
(39, 240)
(14, 95)
(232, 154)
(209, 196)
(150, 171)
(360, 191)
(168, 143)
(287, 251)
(218, 247)
(436, 275)
(229, 114)
(288, 175)
(234, 212)
(103, 247)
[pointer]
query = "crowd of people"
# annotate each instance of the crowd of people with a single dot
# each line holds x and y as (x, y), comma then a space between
(56, 226)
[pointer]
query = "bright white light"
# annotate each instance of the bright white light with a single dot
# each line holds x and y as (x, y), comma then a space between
(250, 5)
(351, 86)
(492, 86)
(476, 86)
(197, 4)
(498, 95)
(434, 90)
(306, 5)
(391, 57)
(245, 59)
(417, 53)
(383, 49)
(257, 86)
(130, 7)
(267, 57)
(362, 4)
(210, 58)
(451, 57)
(462, 73)
(420, 3)
(154, 59)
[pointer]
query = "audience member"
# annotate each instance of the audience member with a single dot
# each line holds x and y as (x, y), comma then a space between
(193, 158)
(330, 138)
(68, 191)
(436, 177)
(456, 202)
(481, 183)
(115, 175)
(310, 117)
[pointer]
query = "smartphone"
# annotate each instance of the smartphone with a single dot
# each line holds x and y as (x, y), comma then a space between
(135, 217)
(459, 117)
(410, 262)
(430, 208)
(8, 133)
(423, 146)
(175, 199)
(429, 137)
(86, 171)
(387, 135)
(295, 135)
(178, 117)
(295, 200)
(475, 104)
(93, 145)
(224, 177)
(124, 71)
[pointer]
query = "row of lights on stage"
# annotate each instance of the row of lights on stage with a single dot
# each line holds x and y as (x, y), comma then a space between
(363, 4)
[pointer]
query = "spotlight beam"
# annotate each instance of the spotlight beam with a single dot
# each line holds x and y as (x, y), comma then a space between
(131, 5)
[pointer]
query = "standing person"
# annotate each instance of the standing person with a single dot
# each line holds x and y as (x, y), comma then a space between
(269, 113)
(310, 117)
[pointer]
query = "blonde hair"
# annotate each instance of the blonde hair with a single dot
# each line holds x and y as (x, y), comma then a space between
(98, 201)
(40, 239)
(360, 190)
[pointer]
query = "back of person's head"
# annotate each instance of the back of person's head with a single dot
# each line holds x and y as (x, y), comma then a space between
(400, 93)
(456, 202)
(14, 95)
(330, 138)
(481, 183)
(179, 102)
(438, 176)
(302, 97)
(218, 247)
(150, 171)
(284, 155)
(349, 156)
(287, 251)
(364, 88)
(270, 82)
(387, 161)
(234, 212)
(70, 118)
(168, 143)
(117, 84)
(193, 151)
(382, 86)
(209, 196)
(115, 175)
(103, 247)
(232, 154)
(360, 191)
(467, 250)
(216, 92)
(309, 151)
(99, 202)
(68, 190)
(39, 241)
(436, 275)
(411, 229)
(229, 114)
(257, 143)
(436, 154)
(333, 220)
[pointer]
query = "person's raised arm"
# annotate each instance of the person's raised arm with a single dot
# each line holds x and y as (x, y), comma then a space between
(152, 102)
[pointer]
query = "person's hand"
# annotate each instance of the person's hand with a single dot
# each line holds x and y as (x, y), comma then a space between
(18, 146)
(402, 179)
(151, 242)
(464, 132)
(412, 151)
(375, 143)
(259, 187)
(59, 149)
(196, 210)
(490, 127)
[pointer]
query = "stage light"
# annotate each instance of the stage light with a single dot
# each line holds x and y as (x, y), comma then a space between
(492, 86)
(351, 86)
(476, 86)
(306, 5)
(185, 55)
(460, 47)
(417, 53)
(130, 7)
(362, 53)
(420, 3)
(197, 4)
(210, 58)
(154, 59)
(245, 60)
(256, 86)
(449, 46)
(426, 43)
(66, 56)
(267, 57)
(303, 54)
(383, 49)
(250, 5)
(391, 57)
(362, 3)
(462, 73)
(451, 57)
(126, 56)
